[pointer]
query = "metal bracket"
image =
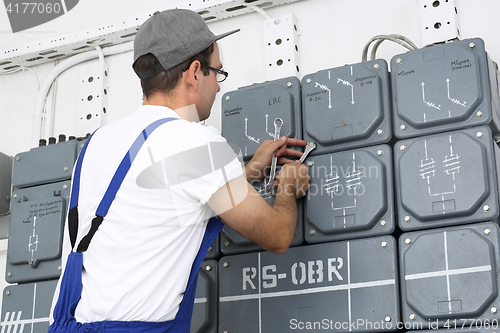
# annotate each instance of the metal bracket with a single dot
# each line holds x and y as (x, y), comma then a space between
(282, 48)
(93, 91)
(439, 21)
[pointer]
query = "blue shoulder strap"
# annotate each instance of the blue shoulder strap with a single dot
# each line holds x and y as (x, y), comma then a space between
(111, 191)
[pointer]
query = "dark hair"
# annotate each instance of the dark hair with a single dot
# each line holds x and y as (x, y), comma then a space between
(167, 80)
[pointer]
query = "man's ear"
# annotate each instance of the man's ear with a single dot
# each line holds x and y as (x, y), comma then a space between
(193, 74)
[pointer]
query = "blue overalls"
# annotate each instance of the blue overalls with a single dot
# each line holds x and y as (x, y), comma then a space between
(71, 284)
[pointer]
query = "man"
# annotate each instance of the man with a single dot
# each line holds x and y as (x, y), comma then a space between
(144, 235)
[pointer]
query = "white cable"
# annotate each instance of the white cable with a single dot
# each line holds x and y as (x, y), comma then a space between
(377, 44)
(401, 40)
(56, 71)
(261, 11)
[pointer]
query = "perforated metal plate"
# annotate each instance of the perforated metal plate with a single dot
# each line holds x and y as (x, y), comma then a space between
(233, 243)
(446, 179)
(350, 195)
(444, 87)
(347, 107)
(5, 183)
(248, 113)
(204, 318)
(450, 274)
(342, 286)
(26, 307)
(42, 165)
(36, 232)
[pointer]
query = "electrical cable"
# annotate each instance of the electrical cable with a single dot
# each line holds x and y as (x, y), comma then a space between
(261, 11)
(399, 39)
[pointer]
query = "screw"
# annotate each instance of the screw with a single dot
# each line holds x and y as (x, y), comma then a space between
(487, 231)
(413, 317)
(228, 98)
(65, 168)
(208, 268)
(9, 274)
(310, 163)
(380, 131)
(407, 241)
(383, 223)
(407, 218)
(384, 244)
(472, 45)
(496, 139)
(312, 232)
(31, 262)
(18, 158)
(226, 243)
(308, 81)
(289, 84)
(226, 264)
(479, 135)
(65, 187)
(7, 292)
(494, 309)
(399, 61)
(402, 147)
(486, 208)
(380, 152)
(376, 66)
(403, 127)
(479, 113)
(209, 249)
(59, 268)
(388, 319)
(15, 196)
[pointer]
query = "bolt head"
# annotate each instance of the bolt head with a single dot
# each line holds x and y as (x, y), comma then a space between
(7, 292)
(208, 268)
(413, 317)
(494, 309)
(380, 131)
(289, 84)
(18, 158)
(479, 113)
(376, 66)
(383, 223)
(472, 45)
(225, 264)
(65, 169)
(486, 208)
(308, 81)
(15, 196)
(388, 319)
(228, 98)
(310, 163)
(407, 218)
(402, 147)
(65, 187)
(380, 152)
(403, 127)
(407, 241)
(487, 231)
(399, 61)
(312, 232)
(479, 135)
(31, 262)
(226, 243)
(9, 274)
(384, 244)
(496, 139)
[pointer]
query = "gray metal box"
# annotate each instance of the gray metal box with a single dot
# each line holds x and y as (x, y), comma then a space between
(5, 183)
(233, 243)
(347, 107)
(248, 113)
(27, 307)
(342, 286)
(444, 87)
(446, 179)
(42, 165)
(204, 318)
(36, 232)
(450, 274)
(350, 195)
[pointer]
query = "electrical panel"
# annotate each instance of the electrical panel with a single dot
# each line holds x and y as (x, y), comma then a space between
(450, 275)
(327, 286)
(5, 183)
(350, 195)
(444, 87)
(42, 165)
(453, 175)
(347, 107)
(204, 319)
(248, 114)
(214, 249)
(27, 307)
(232, 242)
(36, 232)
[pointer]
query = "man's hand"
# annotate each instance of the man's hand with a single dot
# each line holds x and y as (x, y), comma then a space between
(256, 168)
(293, 180)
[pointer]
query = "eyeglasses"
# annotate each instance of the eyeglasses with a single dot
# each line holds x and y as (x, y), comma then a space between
(220, 74)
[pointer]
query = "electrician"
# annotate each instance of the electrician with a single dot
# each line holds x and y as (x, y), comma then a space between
(140, 212)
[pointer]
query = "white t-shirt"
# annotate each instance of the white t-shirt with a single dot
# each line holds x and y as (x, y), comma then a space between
(138, 262)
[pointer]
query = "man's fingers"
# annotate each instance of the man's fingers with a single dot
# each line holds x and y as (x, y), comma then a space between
(296, 142)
